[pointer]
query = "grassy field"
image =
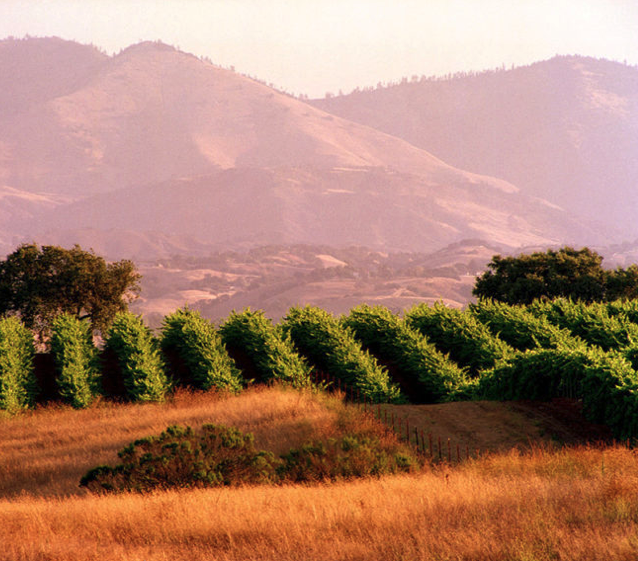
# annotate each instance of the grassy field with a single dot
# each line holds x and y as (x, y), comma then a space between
(576, 503)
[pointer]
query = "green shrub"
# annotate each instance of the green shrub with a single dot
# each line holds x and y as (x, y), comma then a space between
(271, 351)
(76, 360)
(139, 358)
(520, 328)
(224, 456)
(334, 349)
(17, 380)
(388, 337)
(459, 334)
(182, 458)
(627, 309)
(343, 458)
(201, 348)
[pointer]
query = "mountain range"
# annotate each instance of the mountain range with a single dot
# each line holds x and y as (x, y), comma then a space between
(565, 130)
(154, 152)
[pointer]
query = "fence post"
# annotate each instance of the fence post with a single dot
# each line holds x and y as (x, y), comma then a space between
(449, 452)
(440, 457)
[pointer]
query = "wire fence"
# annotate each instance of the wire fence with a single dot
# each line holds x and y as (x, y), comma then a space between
(425, 443)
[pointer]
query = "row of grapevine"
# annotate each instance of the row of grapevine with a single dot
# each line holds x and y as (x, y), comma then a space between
(17, 383)
(271, 352)
(198, 345)
(461, 335)
(429, 374)
(333, 348)
(606, 382)
(520, 328)
(591, 322)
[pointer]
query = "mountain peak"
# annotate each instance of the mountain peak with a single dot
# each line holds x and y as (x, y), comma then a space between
(148, 47)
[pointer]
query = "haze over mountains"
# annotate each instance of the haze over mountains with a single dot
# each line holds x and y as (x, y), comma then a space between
(153, 152)
(565, 129)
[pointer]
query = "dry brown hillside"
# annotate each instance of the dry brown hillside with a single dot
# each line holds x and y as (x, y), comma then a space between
(565, 129)
(179, 152)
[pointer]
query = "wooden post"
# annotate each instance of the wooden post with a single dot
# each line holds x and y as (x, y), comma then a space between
(440, 457)
(458, 453)
(449, 452)
(430, 442)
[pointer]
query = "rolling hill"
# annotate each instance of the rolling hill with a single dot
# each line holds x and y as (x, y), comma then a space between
(167, 149)
(565, 129)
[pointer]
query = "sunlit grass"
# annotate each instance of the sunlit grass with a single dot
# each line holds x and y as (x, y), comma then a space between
(545, 504)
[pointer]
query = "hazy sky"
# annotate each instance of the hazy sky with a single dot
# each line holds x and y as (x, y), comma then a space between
(315, 46)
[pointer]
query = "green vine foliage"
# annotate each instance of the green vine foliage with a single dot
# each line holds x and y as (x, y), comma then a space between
(76, 360)
(605, 381)
(459, 334)
(591, 322)
(200, 346)
(17, 380)
(333, 348)
(520, 328)
(139, 358)
(386, 335)
(272, 352)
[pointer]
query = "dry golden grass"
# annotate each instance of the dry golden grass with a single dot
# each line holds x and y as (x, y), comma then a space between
(46, 451)
(570, 504)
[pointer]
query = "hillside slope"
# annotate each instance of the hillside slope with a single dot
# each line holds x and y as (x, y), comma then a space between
(181, 154)
(565, 129)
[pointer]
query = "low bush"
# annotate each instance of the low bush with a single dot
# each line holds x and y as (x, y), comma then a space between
(216, 455)
(139, 358)
(272, 352)
(17, 381)
(76, 360)
(343, 458)
(183, 458)
(202, 350)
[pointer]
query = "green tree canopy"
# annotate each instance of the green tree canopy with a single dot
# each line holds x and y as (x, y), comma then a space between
(567, 272)
(37, 284)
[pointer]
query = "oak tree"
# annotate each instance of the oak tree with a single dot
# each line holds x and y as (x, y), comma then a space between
(39, 283)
